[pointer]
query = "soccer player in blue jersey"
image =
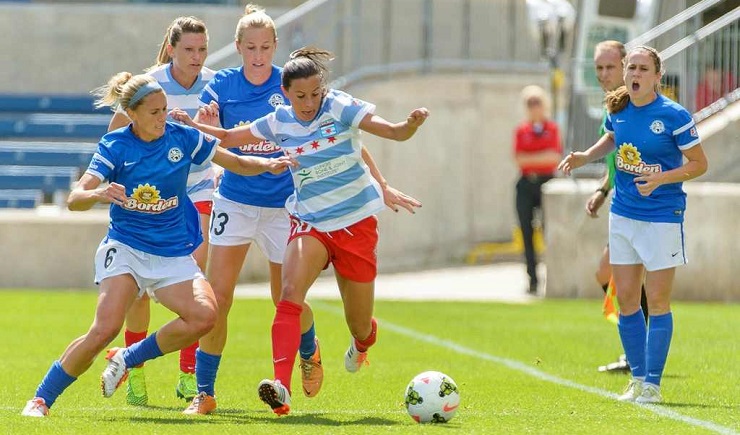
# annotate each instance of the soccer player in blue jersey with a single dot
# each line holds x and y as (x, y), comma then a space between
(153, 230)
(332, 207)
(179, 70)
(652, 136)
(252, 209)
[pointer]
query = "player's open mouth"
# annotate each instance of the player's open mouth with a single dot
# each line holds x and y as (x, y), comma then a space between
(635, 86)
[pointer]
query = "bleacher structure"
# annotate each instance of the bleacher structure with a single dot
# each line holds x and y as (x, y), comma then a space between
(45, 144)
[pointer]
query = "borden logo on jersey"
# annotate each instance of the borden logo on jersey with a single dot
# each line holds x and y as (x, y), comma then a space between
(145, 199)
(630, 160)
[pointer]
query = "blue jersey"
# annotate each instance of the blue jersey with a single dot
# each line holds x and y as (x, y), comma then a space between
(202, 178)
(650, 138)
(333, 188)
(158, 217)
(240, 103)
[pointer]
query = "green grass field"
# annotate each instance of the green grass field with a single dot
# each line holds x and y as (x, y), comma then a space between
(520, 369)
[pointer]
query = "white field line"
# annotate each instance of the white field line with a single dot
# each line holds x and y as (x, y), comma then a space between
(526, 369)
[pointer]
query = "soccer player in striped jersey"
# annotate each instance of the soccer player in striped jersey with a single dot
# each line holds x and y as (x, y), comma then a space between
(153, 230)
(252, 209)
(652, 136)
(179, 70)
(332, 207)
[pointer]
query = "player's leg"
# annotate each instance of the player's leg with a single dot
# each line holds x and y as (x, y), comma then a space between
(658, 284)
(137, 325)
(272, 238)
(632, 329)
(358, 299)
(187, 387)
(604, 271)
(305, 258)
(117, 293)
(525, 213)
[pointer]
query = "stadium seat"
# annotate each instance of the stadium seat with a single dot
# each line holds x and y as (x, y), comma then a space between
(45, 178)
(23, 198)
(16, 153)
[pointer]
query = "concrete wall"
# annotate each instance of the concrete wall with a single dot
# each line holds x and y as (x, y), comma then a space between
(71, 49)
(459, 165)
(575, 242)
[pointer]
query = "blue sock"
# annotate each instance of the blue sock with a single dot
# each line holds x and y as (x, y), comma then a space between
(308, 343)
(54, 383)
(633, 332)
(142, 351)
(206, 368)
(658, 343)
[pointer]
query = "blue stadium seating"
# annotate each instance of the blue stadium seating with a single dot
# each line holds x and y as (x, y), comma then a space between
(21, 198)
(15, 153)
(26, 103)
(45, 178)
(52, 117)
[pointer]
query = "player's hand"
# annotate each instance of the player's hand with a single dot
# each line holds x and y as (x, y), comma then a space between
(182, 116)
(417, 117)
(647, 183)
(594, 203)
(572, 161)
(113, 193)
(208, 114)
(279, 165)
(394, 199)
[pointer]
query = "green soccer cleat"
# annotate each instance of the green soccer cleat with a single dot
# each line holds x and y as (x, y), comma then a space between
(136, 388)
(187, 388)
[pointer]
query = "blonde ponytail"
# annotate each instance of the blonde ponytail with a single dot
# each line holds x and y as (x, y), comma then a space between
(254, 17)
(120, 89)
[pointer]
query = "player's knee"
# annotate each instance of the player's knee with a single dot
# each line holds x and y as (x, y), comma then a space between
(291, 293)
(224, 300)
(103, 334)
(203, 320)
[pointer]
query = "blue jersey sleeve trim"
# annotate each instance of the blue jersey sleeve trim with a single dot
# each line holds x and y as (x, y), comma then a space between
(684, 128)
(691, 144)
(103, 160)
(95, 174)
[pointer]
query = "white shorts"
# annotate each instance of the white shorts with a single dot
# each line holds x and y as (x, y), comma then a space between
(151, 272)
(234, 224)
(656, 245)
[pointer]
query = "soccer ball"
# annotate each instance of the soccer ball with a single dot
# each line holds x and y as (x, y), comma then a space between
(432, 397)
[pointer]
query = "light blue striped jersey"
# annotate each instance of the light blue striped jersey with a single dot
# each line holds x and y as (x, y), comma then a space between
(333, 187)
(202, 178)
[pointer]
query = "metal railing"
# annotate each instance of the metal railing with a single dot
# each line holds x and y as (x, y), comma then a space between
(701, 70)
(381, 38)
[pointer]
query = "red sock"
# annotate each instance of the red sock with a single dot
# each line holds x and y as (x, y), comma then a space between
(130, 338)
(364, 345)
(286, 338)
(187, 358)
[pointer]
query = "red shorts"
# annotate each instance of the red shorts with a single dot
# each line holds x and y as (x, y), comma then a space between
(204, 207)
(352, 250)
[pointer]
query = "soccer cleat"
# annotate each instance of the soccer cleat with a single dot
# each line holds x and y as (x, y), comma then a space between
(275, 395)
(650, 394)
(354, 359)
(115, 372)
(621, 365)
(633, 390)
(202, 404)
(186, 388)
(136, 387)
(36, 407)
(312, 373)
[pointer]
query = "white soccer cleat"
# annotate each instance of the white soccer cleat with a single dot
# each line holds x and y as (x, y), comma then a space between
(36, 407)
(115, 372)
(354, 359)
(275, 395)
(650, 394)
(632, 392)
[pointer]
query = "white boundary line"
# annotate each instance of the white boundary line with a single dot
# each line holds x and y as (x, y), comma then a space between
(526, 369)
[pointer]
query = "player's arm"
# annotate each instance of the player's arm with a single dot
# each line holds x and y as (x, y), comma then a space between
(696, 165)
(597, 198)
(88, 192)
(399, 131)
(229, 138)
(249, 165)
(600, 149)
(118, 120)
(392, 197)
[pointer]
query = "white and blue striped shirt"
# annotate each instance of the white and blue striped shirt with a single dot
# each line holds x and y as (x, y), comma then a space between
(333, 187)
(202, 178)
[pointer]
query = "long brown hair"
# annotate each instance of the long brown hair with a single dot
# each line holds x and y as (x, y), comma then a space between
(617, 99)
(307, 62)
(173, 35)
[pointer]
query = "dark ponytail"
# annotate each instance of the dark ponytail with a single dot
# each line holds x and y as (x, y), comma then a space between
(307, 62)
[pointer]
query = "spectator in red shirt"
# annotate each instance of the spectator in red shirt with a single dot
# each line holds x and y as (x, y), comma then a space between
(537, 152)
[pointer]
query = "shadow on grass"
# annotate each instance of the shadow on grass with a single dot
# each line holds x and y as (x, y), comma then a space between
(239, 416)
(696, 405)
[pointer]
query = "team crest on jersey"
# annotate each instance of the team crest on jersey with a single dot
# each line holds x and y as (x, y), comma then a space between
(657, 127)
(146, 199)
(276, 100)
(328, 128)
(629, 160)
(174, 155)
